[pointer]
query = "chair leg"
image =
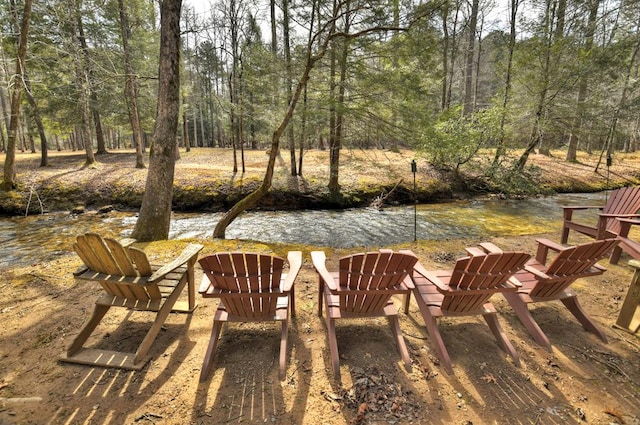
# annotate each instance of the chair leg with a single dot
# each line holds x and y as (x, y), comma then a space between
(98, 314)
(615, 255)
(292, 301)
(161, 317)
(501, 336)
(320, 295)
(434, 334)
(574, 307)
(407, 301)
(565, 234)
(333, 347)
(211, 349)
(400, 342)
(283, 349)
(523, 313)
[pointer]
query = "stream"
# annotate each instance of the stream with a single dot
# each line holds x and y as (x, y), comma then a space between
(28, 240)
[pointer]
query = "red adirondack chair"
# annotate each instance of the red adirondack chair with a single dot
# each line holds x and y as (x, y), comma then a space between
(363, 287)
(252, 288)
(466, 291)
(547, 282)
(621, 203)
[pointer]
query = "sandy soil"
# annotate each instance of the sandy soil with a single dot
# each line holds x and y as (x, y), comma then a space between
(42, 309)
(582, 380)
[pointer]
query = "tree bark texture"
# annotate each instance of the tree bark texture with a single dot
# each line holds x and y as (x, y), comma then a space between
(155, 213)
(9, 177)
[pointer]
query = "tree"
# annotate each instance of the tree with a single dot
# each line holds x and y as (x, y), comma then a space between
(9, 177)
(468, 73)
(500, 148)
(324, 35)
(131, 85)
(155, 213)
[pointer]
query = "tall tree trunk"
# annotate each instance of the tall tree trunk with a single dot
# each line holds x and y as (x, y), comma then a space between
(274, 25)
(500, 149)
(445, 53)
(288, 82)
(251, 199)
(468, 73)
(93, 97)
(334, 148)
(576, 133)
(535, 137)
(9, 177)
(44, 152)
(131, 85)
(155, 214)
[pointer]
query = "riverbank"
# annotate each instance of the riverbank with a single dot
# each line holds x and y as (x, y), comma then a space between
(204, 180)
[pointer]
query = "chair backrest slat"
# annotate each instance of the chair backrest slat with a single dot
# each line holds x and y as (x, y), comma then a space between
(625, 200)
(477, 277)
(251, 282)
(110, 258)
(571, 264)
(368, 280)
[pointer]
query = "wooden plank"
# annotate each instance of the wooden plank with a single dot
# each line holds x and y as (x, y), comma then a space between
(141, 261)
(121, 256)
(629, 316)
(106, 358)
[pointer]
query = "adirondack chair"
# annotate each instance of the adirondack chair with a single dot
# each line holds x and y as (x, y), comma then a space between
(621, 203)
(363, 287)
(466, 290)
(130, 281)
(547, 282)
(251, 287)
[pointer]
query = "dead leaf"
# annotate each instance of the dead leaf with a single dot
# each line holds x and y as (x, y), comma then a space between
(489, 379)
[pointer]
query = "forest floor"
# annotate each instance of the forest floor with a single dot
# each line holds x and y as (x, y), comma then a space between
(582, 380)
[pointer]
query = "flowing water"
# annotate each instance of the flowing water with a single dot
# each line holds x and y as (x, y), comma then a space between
(28, 240)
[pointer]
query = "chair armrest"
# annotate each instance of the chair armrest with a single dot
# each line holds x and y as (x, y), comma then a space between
(625, 225)
(295, 263)
(567, 210)
(475, 252)
(580, 207)
(318, 258)
(537, 272)
(544, 245)
(490, 248)
(188, 254)
(419, 268)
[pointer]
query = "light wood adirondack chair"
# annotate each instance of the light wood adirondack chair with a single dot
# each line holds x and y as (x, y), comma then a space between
(363, 287)
(251, 287)
(130, 281)
(466, 290)
(621, 203)
(547, 282)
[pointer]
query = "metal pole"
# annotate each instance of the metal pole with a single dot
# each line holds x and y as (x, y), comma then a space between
(414, 168)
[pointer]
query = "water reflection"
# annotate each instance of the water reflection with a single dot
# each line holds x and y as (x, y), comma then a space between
(28, 240)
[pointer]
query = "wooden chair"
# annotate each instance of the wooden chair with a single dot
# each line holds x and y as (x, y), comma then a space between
(466, 290)
(130, 281)
(621, 203)
(251, 287)
(547, 282)
(362, 287)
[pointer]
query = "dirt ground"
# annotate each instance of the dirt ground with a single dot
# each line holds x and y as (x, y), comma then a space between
(582, 380)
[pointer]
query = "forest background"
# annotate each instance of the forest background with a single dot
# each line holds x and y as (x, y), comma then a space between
(449, 79)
